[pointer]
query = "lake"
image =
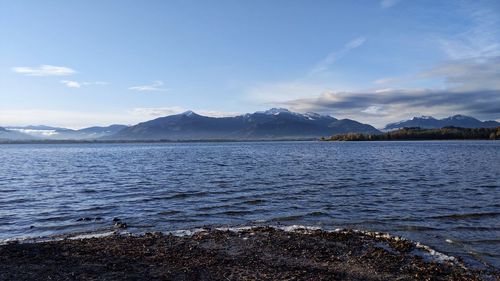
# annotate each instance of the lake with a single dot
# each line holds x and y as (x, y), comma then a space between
(445, 194)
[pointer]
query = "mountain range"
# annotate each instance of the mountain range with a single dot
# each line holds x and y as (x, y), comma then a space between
(13, 135)
(429, 122)
(56, 133)
(275, 123)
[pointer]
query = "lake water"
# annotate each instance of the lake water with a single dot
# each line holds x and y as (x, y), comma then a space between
(444, 194)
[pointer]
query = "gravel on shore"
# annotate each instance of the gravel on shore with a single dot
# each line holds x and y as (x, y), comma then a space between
(261, 253)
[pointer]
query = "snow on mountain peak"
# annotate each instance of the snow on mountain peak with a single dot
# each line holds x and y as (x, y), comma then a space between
(312, 114)
(275, 111)
(188, 113)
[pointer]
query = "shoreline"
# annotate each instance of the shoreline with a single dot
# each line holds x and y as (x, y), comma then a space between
(417, 133)
(45, 141)
(264, 253)
(48, 142)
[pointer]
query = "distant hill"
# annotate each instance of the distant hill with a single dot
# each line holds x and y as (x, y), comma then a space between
(273, 124)
(429, 122)
(276, 123)
(99, 132)
(13, 135)
(56, 133)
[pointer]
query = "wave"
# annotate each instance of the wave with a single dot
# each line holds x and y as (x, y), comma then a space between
(216, 207)
(170, 212)
(476, 228)
(178, 195)
(299, 217)
(415, 228)
(494, 241)
(254, 202)
(235, 213)
(467, 216)
(187, 195)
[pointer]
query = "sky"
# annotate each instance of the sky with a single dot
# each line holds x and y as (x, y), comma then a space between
(82, 63)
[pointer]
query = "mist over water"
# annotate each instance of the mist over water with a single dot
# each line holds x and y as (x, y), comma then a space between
(443, 194)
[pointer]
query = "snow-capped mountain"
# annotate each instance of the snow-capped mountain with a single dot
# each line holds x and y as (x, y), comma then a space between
(275, 123)
(431, 122)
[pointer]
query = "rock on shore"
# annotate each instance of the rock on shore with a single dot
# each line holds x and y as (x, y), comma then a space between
(262, 253)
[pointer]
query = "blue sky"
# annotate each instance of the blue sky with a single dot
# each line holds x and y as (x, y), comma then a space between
(81, 63)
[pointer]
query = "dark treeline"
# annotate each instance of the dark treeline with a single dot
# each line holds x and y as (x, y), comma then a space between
(416, 133)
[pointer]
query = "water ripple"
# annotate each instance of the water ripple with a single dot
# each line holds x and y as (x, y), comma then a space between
(427, 191)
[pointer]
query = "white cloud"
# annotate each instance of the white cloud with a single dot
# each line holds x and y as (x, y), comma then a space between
(44, 70)
(384, 90)
(385, 4)
(147, 112)
(154, 87)
(95, 83)
(375, 110)
(335, 56)
(71, 84)
(76, 84)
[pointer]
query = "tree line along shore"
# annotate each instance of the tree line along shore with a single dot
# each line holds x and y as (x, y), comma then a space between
(417, 133)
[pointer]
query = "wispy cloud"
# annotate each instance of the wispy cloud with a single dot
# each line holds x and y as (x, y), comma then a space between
(335, 56)
(467, 82)
(318, 79)
(71, 84)
(44, 70)
(468, 74)
(95, 83)
(385, 4)
(480, 39)
(156, 86)
(152, 112)
(76, 84)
